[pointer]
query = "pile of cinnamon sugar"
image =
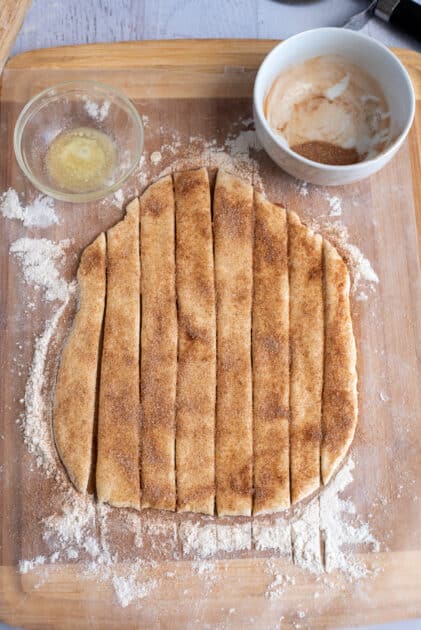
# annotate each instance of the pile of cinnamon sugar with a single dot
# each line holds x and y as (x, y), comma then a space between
(327, 153)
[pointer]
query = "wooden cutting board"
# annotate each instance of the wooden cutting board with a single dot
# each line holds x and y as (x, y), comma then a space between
(204, 88)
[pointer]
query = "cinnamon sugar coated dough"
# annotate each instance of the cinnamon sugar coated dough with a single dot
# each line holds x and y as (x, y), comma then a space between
(340, 401)
(233, 237)
(270, 354)
(158, 375)
(76, 381)
(227, 380)
(117, 467)
(306, 361)
(196, 377)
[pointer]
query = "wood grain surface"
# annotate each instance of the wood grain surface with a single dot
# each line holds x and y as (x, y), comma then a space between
(12, 14)
(205, 88)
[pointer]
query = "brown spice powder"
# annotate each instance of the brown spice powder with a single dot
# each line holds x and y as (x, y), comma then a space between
(327, 153)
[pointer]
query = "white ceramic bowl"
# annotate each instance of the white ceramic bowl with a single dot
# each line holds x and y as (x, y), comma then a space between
(375, 59)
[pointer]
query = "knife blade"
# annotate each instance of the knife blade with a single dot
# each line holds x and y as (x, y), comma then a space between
(357, 21)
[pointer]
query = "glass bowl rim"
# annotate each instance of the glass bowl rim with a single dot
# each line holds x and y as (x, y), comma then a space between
(61, 88)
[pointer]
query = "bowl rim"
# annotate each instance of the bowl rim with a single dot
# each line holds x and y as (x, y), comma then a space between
(68, 86)
(343, 168)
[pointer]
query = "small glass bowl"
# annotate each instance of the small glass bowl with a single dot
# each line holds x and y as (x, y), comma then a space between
(67, 106)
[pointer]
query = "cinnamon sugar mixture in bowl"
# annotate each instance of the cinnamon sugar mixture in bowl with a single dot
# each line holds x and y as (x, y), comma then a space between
(329, 110)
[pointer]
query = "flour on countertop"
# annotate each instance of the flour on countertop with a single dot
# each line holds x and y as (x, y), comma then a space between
(242, 143)
(28, 565)
(303, 188)
(234, 155)
(338, 533)
(334, 519)
(202, 567)
(361, 296)
(40, 259)
(277, 587)
(131, 587)
(72, 526)
(38, 213)
(335, 204)
(272, 534)
(74, 532)
(306, 539)
(36, 419)
(118, 198)
(156, 157)
(198, 540)
(359, 266)
(233, 538)
(133, 524)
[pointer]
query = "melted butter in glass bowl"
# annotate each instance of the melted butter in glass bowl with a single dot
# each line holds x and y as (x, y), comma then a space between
(78, 141)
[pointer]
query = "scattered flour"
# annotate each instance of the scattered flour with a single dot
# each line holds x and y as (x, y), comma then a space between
(332, 519)
(335, 204)
(72, 525)
(39, 258)
(156, 157)
(95, 111)
(198, 540)
(306, 539)
(359, 266)
(338, 533)
(130, 588)
(242, 143)
(235, 155)
(134, 525)
(361, 296)
(39, 213)
(202, 567)
(277, 587)
(273, 535)
(233, 538)
(28, 565)
(118, 198)
(160, 534)
(303, 188)
(36, 420)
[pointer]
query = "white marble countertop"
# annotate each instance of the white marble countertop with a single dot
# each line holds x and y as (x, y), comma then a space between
(63, 22)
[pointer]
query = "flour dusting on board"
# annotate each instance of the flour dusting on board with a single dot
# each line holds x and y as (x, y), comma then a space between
(236, 154)
(123, 547)
(40, 212)
(40, 261)
(360, 268)
(81, 531)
